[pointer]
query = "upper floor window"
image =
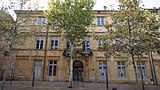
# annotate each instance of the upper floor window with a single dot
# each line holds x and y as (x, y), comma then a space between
(85, 43)
(141, 66)
(54, 42)
(154, 12)
(52, 68)
(100, 41)
(118, 41)
(41, 20)
(102, 69)
(121, 69)
(39, 42)
(68, 45)
(100, 21)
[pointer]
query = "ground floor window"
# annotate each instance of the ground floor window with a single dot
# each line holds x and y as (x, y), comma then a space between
(102, 69)
(52, 68)
(141, 65)
(121, 69)
(38, 66)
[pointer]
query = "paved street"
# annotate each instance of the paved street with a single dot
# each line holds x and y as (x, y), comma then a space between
(40, 85)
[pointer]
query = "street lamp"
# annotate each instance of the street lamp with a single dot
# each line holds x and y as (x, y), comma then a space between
(106, 71)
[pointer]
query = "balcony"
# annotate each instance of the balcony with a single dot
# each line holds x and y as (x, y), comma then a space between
(67, 52)
(80, 51)
(85, 52)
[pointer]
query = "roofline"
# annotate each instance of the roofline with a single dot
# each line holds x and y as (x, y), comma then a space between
(40, 11)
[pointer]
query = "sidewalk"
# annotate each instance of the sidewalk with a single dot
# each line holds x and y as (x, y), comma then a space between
(45, 85)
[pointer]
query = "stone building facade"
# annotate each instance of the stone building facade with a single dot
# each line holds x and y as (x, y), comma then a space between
(48, 56)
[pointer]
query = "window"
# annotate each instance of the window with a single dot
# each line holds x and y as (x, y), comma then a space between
(121, 69)
(154, 12)
(158, 29)
(54, 42)
(100, 21)
(52, 68)
(100, 41)
(68, 46)
(102, 69)
(41, 20)
(38, 66)
(118, 41)
(143, 67)
(85, 43)
(39, 42)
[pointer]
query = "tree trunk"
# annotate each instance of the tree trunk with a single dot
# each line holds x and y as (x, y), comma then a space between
(71, 67)
(9, 59)
(135, 71)
(154, 79)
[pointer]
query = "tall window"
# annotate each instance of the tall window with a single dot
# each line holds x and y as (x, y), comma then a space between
(86, 43)
(38, 66)
(121, 69)
(100, 21)
(41, 20)
(143, 68)
(100, 41)
(68, 46)
(54, 42)
(52, 68)
(39, 42)
(118, 41)
(102, 69)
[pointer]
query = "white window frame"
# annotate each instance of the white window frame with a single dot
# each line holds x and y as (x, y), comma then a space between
(54, 42)
(100, 41)
(102, 69)
(68, 45)
(41, 20)
(86, 43)
(52, 67)
(121, 66)
(100, 21)
(118, 41)
(41, 42)
(143, 67)
(38, 68)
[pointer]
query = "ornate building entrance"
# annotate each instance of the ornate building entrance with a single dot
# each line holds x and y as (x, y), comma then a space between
(77, 71)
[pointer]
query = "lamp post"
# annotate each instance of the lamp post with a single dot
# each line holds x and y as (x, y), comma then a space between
(106, 71)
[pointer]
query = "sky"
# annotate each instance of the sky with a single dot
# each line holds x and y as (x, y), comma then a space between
(98, 6)
(101, 3)
(147, 3)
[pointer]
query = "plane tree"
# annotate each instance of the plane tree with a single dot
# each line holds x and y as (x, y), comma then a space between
(11, 33)
(70, 17)
(133, 28)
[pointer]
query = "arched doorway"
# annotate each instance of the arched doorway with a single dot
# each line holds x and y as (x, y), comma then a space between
(77, 71)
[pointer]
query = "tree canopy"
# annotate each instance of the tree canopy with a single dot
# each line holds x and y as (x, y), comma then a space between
(71, 17)
(134, 28)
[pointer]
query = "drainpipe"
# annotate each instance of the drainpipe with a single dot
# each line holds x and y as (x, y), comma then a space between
(45, 54)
